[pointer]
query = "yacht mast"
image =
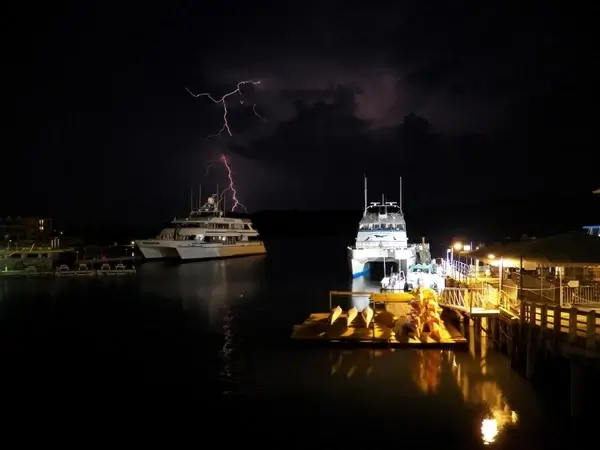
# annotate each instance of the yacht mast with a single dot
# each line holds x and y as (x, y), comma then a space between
(191, 200)
(366, 204)
(199, 197)
(400, 196)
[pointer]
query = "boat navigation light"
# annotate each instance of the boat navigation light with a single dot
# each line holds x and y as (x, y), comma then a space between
(457, 246)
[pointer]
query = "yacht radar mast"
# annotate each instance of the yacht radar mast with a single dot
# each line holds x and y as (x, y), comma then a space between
(400, 195)
(366, 202)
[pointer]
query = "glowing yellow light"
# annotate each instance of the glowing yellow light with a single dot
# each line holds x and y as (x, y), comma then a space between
(457, 246)
(491, 256)
(489, 430)
(467, 248)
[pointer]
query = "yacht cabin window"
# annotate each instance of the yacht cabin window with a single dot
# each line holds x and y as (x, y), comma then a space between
(193, 225)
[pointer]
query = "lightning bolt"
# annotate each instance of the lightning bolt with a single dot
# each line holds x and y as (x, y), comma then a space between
(223, 101)
(231, 187)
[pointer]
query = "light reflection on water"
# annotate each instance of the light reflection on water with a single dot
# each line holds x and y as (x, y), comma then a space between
(209, 289)
(469, 372)
(428, 369)
(225, 306)
(212, 290)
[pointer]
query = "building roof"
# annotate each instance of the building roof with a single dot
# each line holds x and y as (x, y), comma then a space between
(570, 249)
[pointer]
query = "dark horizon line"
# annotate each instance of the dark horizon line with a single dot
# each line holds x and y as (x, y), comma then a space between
(515, 201)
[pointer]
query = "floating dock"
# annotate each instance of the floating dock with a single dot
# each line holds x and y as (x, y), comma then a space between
(65, 271)
(387, 327)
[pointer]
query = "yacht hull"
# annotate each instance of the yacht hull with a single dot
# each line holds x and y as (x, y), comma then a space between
(215, 251)
(156, 250)
(359, 266)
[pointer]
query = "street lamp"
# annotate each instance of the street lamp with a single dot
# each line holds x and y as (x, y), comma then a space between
(456, 246)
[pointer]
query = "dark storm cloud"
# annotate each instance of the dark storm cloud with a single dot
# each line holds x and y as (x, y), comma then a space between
(461, 66)
(435, 62)
(345, 87)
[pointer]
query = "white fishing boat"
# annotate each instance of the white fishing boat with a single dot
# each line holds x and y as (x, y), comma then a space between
(352, 313)
(367, 315)
(335, 314)
(382, 237)
(425, 276)
(395, 282)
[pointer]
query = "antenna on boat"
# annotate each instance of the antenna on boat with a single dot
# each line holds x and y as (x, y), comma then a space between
(366, 204)
(199, 197)
(218, 199)
(191, 200)
(400, 192)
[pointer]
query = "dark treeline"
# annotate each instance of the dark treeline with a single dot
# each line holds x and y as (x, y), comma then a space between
(492, 221)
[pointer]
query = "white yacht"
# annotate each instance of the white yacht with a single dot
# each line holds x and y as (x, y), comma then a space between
(382, 237)
(205, 234)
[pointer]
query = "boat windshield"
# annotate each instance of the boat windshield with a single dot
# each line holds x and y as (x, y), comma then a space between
(420, 268)
(384, 209)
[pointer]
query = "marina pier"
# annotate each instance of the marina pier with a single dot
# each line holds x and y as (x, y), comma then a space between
(537, 300)
(546, 293)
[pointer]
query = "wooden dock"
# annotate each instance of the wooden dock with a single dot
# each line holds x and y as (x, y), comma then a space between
(64, 271)
(382, 331)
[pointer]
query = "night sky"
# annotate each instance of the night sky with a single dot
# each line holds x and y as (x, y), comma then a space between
(467, 103)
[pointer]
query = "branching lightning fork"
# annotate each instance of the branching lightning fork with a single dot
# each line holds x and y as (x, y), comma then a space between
(225, 128)
(231, 187)
(223, 101)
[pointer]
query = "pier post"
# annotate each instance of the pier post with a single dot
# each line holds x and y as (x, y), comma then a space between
(472, 338)
(493, 335)
(511, 344)
(530, 354)
(556, 326)
(577, 388)
(498, 332)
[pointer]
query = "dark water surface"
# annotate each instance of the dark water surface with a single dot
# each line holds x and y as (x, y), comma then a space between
(201, 351)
